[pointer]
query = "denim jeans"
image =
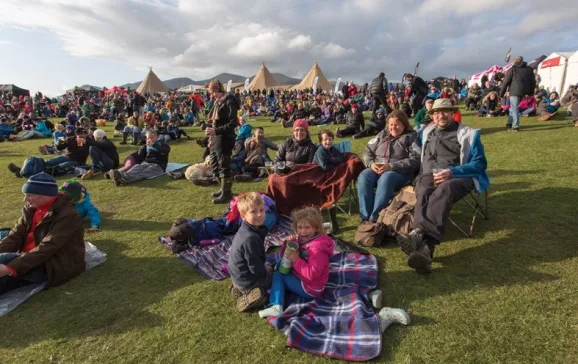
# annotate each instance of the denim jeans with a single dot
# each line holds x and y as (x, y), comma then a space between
(372, 202)
(282, 282)
(57, 160)
(528, 111)
(100, 161)
(514, 118)
(8, 283)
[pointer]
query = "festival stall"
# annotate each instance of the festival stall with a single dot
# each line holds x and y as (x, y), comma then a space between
(15, 90)
(552, 70)
(478, 76)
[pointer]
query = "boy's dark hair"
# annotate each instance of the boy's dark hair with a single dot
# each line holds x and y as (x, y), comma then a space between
(259, 128)
(327, 132)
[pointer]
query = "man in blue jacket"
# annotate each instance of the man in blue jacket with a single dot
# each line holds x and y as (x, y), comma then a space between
(452, 162)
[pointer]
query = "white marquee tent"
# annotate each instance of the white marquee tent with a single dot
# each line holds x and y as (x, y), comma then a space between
(571, 73)
(552, 70)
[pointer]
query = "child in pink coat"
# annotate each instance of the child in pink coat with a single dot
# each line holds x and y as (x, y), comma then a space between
(310, 268)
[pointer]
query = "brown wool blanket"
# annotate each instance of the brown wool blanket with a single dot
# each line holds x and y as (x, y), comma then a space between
(309, 185)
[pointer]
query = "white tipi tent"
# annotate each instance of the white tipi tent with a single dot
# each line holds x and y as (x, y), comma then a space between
(571, 73)
(151, 84)
(552, 70)
(263, 79)
(307, 81)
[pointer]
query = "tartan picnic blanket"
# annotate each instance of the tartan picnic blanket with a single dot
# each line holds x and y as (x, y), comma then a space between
(340, 323)
(211, 261)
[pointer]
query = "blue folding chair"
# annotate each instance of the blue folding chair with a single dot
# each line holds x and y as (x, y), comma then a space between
(351, 191)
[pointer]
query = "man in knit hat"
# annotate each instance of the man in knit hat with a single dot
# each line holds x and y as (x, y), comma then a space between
(47, 243)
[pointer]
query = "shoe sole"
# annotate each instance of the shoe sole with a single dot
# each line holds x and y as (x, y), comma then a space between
(254, 299)
(419, 262)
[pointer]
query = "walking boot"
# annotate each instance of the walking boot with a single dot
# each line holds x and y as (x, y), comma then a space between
(333, 217)
(219, 192)
(227, 195)
(124, 138)
(15, 169)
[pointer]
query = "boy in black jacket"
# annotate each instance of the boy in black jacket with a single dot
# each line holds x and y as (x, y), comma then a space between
(355, 123)
(152, 158)
(247, 255)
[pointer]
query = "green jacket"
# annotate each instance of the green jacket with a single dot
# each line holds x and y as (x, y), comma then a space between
(421, 117)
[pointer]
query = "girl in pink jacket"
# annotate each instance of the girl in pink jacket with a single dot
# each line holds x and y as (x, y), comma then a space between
(310, 267)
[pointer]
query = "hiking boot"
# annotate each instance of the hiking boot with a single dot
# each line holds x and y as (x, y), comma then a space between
(108, 174)
(176, 175)
(117, 178)
(235, 292)
(420, 260)
(262, 172)
(15, 169)
(89, 174)
(255, 298)
(43, 149)
(243, 178)
(219, 192)
(227, 195)
(203, 182)
(409, 243)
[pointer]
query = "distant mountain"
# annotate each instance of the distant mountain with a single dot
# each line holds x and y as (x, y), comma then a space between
(87, 87)
(172, 83)
(175, 83)
(285, 80)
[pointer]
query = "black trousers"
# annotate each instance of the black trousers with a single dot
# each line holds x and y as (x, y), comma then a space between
(100, 161)
(435, 203)
(378, 100)
(347, 131)
(220, 156)
(417, 103)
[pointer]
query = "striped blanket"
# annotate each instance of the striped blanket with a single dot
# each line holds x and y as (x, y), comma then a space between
(211, 261)
(341, 322)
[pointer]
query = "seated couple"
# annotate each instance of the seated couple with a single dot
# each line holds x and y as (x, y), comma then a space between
(78, 148)
(309, 263)
(47, 243)
(449, 161)
(149, 161)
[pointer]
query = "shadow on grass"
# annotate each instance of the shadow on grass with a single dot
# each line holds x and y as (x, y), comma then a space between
(510, 172)
(110, 299)
(531, 240)
(524, 128)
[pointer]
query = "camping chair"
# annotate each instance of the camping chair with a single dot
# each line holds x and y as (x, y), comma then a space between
(479, 203)
(351, 192)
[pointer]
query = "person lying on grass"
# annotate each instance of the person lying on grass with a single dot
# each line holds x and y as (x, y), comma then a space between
(249, 275)
(47, 243)
(83, 204)
(77, 148)
(151, 159)
(310, 262)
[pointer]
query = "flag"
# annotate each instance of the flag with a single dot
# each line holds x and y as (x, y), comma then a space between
(229, 84)
(247, 85)
(337, 84)
(508, 55)
(416, 69)
(315, 80)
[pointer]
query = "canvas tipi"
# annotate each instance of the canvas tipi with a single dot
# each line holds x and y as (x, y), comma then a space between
(307, 81)
(263, 79)
(151, 84)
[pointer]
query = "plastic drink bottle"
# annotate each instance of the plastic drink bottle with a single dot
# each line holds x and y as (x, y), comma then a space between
(286, 264)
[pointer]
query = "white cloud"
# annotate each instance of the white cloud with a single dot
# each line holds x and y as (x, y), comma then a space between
(354, 39)
(5, 42)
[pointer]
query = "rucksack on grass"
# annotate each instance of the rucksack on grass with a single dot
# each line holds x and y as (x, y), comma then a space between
(32, 166)
(398, 216)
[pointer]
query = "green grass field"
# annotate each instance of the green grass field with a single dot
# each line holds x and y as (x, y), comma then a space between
(507, 295)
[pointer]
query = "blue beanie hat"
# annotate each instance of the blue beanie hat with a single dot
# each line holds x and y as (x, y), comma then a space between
(381, 111)
(41, 184)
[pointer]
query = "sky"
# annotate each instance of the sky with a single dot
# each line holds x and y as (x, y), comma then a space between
(53, 45)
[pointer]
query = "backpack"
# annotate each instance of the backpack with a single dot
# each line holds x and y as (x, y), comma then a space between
(32, 166)
(370, 233)
(398, 216)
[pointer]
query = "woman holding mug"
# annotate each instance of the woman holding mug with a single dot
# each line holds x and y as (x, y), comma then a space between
(388, 168)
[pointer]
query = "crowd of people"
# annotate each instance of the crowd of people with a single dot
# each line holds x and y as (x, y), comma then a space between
(444, 158)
